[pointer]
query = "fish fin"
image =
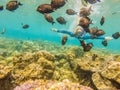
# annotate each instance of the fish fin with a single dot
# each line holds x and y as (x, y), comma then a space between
(90, 9)
(20, 4)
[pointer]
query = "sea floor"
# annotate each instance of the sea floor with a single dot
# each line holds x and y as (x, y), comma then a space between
(22, 63)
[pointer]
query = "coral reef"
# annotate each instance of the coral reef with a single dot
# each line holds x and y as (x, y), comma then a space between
(5, 81)
(22, 61)
(51, 85)
(33, 66)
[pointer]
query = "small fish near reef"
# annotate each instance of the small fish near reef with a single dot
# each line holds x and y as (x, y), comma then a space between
(25, 26)
(12, 5)
(102, 20)
(49, 18)
(88, 47)
(83, 43)
(71, 12)
(64, 40)
(1, 7)
(45, 8)
(61, 20)
(104, 43)
(94, 56)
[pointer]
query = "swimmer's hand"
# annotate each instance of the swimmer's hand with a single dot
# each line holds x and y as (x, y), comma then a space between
(108, 38)
(54, 29)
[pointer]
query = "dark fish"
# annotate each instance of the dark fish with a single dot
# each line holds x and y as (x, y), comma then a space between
(116, 35)
(102, 20)
(1, 7)
(84, 12)
(85, 22)
(83, 43)
(49, 18)
(3, 31)
(104, 43)
(99, 32)
(45, 8)
(12, 5)
(61, 20)
(94, 57)
(71, 12)
(88, 47)
(64, 40)
(25, 26)
(57, 3)
(93, 30)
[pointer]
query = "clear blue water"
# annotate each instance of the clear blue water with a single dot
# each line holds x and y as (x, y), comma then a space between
(40, 29)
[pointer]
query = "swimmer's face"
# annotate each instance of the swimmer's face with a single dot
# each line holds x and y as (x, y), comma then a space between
(78, 29)
(78, 32)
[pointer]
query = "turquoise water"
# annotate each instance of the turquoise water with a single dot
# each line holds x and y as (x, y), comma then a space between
(40, 29)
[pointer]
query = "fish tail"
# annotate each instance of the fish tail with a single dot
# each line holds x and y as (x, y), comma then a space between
(53, 23)
(20, 4)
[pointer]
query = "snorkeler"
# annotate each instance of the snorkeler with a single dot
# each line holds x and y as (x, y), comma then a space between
(80, 33)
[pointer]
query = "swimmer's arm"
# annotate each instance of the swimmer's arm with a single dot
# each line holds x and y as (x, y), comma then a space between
(63, 31)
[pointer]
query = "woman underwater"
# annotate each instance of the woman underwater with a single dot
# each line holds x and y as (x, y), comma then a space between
(82, 35)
